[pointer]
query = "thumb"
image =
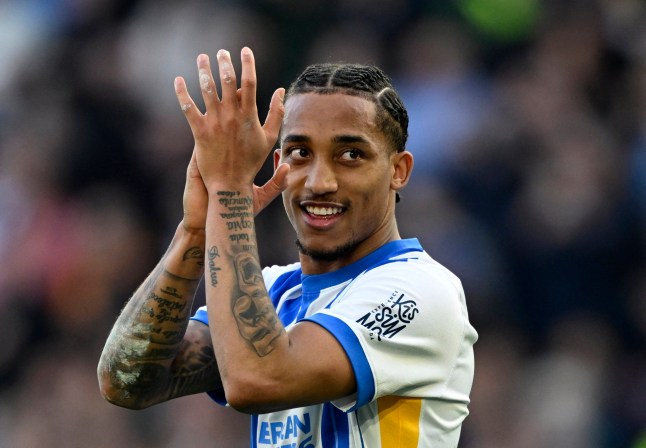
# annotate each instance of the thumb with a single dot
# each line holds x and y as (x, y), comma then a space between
(271, 189)
(279, 179)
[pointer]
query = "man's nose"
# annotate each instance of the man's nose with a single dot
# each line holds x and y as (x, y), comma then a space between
(321, 178)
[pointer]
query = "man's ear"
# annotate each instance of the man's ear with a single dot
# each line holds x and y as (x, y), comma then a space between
(276, 158)
(403, 167)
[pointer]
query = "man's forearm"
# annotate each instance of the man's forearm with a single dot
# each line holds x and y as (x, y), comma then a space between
(233, 272)
(244, 325)
(135, 366)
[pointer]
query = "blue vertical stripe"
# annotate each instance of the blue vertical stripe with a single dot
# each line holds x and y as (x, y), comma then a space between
(291, 307)
(335, 430)
(254, 431)
(289, 310)
(356, 417)
(283, 283)
(296, 308)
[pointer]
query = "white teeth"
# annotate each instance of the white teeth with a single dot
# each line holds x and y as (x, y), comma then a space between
(323, 211)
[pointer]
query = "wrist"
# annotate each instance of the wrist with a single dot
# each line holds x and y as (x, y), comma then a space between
(185, 256)
(190, 233)
(231, 198)
(237, 188)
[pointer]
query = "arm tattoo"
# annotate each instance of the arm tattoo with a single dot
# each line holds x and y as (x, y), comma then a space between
(195, 253)
(171, 292)
(198, 367)
(146, 355)
(239, 215)
(213, 269)
(254, 313)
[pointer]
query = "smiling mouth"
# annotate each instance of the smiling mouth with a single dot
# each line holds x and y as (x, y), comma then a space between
(323, 212)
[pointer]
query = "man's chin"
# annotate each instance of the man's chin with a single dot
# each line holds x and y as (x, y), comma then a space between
(327, 254)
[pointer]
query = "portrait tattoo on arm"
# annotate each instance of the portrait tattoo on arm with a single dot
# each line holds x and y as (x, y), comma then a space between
(254, 313)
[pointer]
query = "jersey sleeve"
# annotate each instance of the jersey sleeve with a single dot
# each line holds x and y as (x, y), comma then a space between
(405, 329)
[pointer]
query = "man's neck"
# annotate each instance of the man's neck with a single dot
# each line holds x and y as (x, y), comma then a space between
(311, 265)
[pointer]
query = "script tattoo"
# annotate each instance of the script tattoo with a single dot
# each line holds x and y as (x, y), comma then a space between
(213, 269)
(171, 292)
(256, 318)
(166, 317)
(239, 215)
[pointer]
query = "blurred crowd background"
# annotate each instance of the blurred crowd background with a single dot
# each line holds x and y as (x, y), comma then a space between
(528, 124)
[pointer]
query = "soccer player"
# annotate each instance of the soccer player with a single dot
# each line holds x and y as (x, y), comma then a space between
(365, 342)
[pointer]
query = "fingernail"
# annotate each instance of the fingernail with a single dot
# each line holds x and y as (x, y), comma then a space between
(246, 51)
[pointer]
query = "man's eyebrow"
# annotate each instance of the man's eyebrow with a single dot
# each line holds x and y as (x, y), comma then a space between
(296, 138)
(349, 139)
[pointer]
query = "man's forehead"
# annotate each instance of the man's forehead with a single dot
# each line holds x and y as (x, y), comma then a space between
(305, 109)
(315, 101)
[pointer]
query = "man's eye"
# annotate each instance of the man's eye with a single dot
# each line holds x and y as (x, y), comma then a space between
(351, 154)
(297, 153)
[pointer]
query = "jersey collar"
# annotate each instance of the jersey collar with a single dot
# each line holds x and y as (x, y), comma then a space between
(317, 282)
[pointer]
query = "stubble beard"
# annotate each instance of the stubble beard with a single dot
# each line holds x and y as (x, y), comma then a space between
(331, 254)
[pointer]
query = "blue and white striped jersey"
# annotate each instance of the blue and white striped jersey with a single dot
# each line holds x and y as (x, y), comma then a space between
(402, 319)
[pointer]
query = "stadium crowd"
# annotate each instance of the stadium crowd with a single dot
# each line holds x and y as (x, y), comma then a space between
(528, 126)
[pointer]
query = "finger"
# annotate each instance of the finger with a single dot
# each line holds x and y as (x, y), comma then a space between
(207, 83)
(227, 77)
(186, 103)
(248, 80)
(275, 115)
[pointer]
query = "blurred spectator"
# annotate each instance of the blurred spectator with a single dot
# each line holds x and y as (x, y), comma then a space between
(529, 136)
(438, 77)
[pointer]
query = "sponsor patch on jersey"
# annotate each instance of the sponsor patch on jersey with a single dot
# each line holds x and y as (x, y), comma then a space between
(292, 431)
(391, 317)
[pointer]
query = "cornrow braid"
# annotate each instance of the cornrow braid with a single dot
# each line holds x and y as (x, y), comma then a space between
(366, 81)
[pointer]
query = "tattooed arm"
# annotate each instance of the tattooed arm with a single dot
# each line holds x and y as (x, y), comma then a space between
(154, 352)
(150, 356)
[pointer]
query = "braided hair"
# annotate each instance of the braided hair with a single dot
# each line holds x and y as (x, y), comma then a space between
(366, 81)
